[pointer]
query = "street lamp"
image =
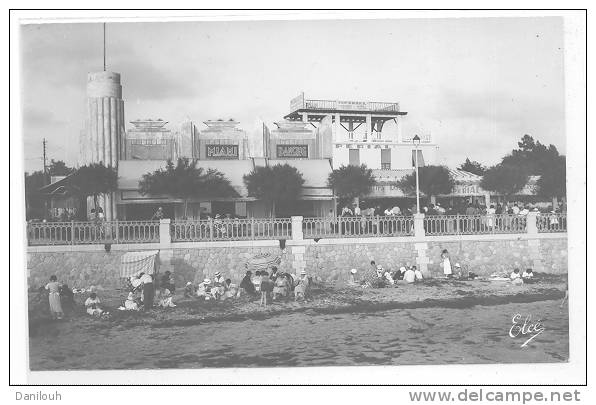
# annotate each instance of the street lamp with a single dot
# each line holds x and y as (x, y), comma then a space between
(416, 142)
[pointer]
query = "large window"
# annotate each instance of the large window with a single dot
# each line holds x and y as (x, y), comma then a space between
(385, 159)
(355, 157)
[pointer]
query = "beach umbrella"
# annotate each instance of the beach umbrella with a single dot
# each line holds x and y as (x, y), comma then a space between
(263, 261)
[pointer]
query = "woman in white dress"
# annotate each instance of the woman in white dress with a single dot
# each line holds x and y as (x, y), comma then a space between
(446, 263)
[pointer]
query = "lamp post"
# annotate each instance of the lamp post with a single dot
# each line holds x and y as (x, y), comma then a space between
(416, 142)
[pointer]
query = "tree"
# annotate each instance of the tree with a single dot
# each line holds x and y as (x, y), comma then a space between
(34, 200)
(186, 181)
(278, 184)
(552, 180)
(472, 167)
(351, 181)
(433, 180)
(532, 157)
(504, 179)
(59, 168)
(93, 180)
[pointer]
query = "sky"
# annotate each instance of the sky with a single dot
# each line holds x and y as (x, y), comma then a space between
(477, 85)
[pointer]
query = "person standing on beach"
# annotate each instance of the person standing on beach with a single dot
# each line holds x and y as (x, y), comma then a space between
(148, 291)
(446, 264)
(247, 285)
(54, 297)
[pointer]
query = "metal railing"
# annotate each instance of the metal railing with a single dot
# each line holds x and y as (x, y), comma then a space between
(230, 229)
(351, 105)
(474, 224)
(354, 227)
(553, 222)
(100, 232)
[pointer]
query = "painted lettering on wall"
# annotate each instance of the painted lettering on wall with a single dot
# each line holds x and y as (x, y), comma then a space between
(292, 151)
(222, 151)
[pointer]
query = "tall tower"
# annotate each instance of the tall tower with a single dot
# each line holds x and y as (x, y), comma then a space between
(104, 126)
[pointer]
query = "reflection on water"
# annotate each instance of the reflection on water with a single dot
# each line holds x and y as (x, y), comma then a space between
(400, 336)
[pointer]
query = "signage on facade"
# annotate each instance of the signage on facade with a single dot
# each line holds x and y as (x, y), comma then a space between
(292, 151)
(297, 103)
(222, 151)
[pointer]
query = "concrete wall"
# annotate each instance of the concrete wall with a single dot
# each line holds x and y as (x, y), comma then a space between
(327, 259)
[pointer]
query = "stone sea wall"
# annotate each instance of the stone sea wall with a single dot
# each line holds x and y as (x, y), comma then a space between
(328, 260)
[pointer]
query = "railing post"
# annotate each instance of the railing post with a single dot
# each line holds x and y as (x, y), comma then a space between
(211, 230)
(419, 225)
(164, 232)
(72, 229)
(297, 228)
(531, 226)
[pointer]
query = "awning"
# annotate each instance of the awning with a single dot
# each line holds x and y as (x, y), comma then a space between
(135, 263)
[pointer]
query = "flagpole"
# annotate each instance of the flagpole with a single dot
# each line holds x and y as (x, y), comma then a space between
(104, 47)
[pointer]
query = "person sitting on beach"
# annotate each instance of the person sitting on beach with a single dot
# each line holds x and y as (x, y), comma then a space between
(281, 287)
(266, 287)
(204, 289)
(400, 273)
(246, 285)
(93, 305)
(410, 275)
(528, 276)
(130, 304)
(219, 285)
(166, 299)
(389, 279)
(231, 289)
(516, 278)
(302, 284)
(168, 282)
(417, 274)
(189, 290)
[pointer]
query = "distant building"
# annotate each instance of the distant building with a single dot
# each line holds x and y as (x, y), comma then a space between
(367, 133)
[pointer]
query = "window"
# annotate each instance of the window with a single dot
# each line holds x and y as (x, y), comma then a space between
(385, 159)
(355, 157)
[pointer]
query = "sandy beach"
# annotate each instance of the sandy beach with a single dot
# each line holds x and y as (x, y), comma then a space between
(437, 321)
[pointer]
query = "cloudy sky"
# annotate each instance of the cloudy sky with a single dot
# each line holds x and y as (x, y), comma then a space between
(477, 85)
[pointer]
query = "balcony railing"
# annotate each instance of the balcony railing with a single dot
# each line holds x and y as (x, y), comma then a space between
(231, 229)
(100, 232)
(351, 105)
(357, 227)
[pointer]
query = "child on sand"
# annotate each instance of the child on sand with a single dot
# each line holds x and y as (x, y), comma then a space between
(93, 305)
(266, 287)
(516, 278)
(446, 263)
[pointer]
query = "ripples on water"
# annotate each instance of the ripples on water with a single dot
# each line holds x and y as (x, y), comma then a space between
(392, 337)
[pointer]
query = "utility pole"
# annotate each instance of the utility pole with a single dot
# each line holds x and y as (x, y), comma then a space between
(45, 166)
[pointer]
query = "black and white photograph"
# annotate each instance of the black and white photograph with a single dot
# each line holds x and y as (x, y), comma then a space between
(270, 193)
